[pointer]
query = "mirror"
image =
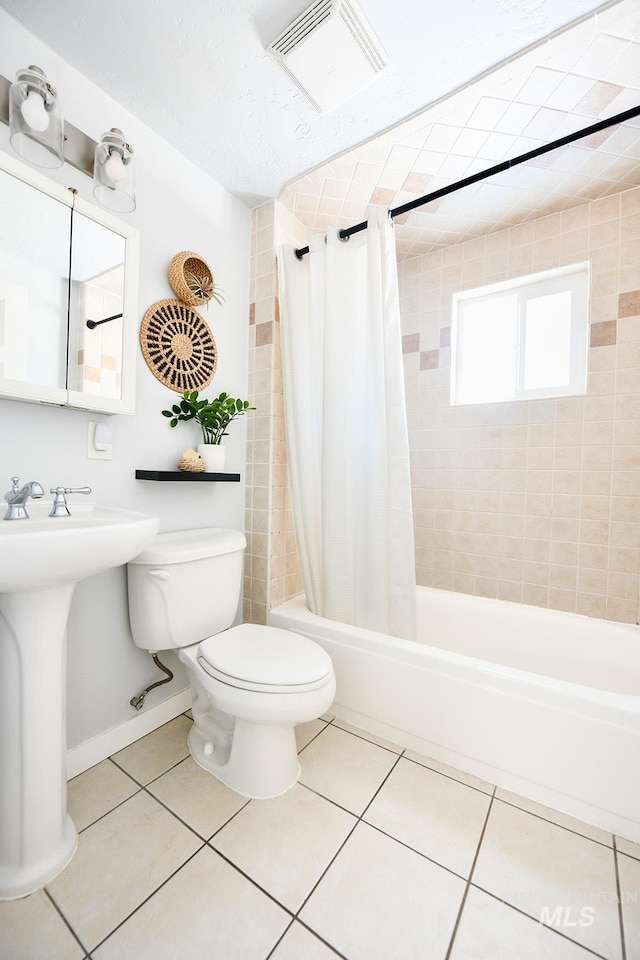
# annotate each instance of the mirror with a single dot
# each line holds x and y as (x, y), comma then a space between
(68, 296)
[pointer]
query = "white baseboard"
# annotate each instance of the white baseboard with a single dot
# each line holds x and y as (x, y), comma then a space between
(87, 754)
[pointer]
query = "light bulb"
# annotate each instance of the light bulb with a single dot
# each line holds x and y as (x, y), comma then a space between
(114, 167)
(33, 111)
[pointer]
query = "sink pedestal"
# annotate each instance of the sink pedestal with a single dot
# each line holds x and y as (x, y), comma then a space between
(37, 836)
(41, 560)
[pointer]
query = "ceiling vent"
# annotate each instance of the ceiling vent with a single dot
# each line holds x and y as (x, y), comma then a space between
(330, 52)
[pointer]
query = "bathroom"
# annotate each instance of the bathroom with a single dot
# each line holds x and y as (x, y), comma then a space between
(558, 566)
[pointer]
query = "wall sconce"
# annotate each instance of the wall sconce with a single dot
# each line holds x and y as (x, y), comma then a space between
(31, 108)
(35, 119)
(113, 172)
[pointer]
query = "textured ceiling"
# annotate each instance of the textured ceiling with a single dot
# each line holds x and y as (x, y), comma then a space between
(588, 72)
(197, 71)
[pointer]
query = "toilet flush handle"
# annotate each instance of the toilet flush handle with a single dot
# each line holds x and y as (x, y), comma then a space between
(158, 574)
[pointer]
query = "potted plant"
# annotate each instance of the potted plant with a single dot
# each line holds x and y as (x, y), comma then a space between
(214, 416)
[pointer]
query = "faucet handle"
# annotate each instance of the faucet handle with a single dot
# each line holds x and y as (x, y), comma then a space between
(60, 508)
(62, 491)
(15, 488)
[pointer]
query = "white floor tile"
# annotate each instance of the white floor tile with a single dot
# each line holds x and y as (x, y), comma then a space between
(628, 847)
(32, 929)
(345, 768)
(197, 797)
(143, 885)
(96, 791)
(490, 930)
(299, 944)
(371, 737)
(305, 732)
(120, 861)
(433, 814)
(380, 900)
(562, 819)
(207, 910)
(629, 871)
(156, 753)
(284, 844)
(556, 876)
(448, 771)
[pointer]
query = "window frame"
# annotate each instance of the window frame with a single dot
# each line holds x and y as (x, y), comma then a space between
(575, 278)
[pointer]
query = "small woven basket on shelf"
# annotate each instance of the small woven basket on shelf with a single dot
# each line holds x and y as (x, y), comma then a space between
(191, 279)
(191, 462)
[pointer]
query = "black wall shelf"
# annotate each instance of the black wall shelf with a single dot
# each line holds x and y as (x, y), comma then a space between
(184, 476)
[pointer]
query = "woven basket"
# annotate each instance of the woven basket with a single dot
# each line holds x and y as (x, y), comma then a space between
(178, 346)
(191, 462)
(188, 266)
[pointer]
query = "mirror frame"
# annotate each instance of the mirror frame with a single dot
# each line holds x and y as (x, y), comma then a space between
(62, 396)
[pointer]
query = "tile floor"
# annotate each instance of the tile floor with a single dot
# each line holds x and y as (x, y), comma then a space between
(377, 854)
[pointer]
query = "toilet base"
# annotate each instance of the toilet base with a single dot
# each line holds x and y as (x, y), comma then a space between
(261, 762)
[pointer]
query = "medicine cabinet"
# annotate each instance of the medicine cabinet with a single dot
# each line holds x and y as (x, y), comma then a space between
(68, 296)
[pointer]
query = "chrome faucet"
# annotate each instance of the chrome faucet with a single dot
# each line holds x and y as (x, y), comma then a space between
(18, 496)
(60, 508)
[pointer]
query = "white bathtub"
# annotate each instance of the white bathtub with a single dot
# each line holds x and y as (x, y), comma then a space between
(543, 703)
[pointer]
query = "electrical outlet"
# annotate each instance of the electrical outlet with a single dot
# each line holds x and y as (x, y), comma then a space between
(92, 453)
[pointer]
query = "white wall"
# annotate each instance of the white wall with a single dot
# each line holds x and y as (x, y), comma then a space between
(179, 208)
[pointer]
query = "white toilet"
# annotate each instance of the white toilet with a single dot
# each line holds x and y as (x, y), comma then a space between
(251, 684)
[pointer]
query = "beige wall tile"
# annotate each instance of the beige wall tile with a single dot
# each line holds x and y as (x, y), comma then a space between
(603, 332)
(563, 600)
(563, 471)
(591, 605)
(624, 611)
(535, 595)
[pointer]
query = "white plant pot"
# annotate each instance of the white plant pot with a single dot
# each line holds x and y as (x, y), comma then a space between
(214, 456)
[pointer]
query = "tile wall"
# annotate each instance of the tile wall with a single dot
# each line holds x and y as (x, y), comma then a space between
(532, 501)
(272, 572)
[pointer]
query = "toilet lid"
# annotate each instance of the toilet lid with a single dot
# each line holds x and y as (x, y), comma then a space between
(258, 657)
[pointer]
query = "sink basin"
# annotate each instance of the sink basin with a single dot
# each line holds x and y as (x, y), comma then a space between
(43, 551)
(41, 560)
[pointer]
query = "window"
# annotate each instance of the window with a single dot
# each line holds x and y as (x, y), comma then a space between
(522, 339)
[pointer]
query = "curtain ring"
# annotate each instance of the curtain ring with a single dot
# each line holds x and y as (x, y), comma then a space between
(343, 239)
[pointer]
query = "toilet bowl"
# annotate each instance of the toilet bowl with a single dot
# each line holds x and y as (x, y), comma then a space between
(250, 684)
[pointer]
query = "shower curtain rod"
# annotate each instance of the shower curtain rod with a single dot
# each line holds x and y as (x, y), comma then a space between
(491, 171)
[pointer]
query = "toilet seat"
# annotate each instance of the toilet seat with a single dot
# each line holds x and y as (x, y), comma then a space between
(265, 659)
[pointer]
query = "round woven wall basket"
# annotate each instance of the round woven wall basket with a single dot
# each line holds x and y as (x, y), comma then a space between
(178, 345)
(191, 279)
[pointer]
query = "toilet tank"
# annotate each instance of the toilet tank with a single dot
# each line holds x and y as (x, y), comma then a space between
(185, 586)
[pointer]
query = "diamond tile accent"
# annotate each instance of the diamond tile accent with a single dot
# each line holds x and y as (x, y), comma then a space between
(589, 71)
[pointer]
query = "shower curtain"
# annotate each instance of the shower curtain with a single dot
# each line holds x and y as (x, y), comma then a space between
(347, 440)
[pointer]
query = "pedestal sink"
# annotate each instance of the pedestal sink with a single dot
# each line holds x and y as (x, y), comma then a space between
(41, 560)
